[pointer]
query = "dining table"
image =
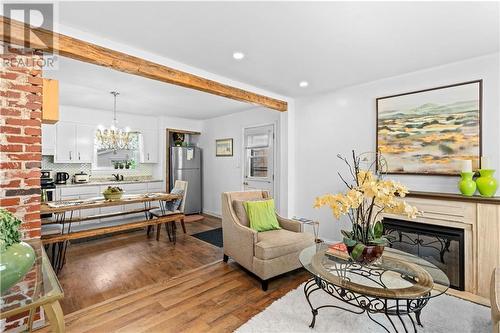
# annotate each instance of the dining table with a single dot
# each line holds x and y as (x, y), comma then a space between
(71, 225)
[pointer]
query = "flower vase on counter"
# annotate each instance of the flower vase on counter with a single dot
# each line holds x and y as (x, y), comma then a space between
(486, 183)
(467, 185)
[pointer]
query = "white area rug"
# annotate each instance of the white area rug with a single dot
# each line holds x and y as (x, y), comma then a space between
(291, 313)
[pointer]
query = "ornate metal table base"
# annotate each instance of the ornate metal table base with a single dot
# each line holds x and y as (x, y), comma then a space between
(398, 309)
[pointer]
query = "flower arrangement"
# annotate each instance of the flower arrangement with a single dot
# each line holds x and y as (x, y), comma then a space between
(368, 195)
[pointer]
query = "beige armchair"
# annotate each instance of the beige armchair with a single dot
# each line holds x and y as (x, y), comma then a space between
(266, 254)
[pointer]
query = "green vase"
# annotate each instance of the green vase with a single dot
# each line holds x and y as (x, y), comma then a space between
(15, 262)
(467, 185)
(486, 183)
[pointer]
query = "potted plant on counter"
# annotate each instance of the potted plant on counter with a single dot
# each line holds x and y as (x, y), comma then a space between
(16, 257)
(368, 195)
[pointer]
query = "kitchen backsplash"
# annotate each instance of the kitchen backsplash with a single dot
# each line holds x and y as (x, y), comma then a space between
(141, 170)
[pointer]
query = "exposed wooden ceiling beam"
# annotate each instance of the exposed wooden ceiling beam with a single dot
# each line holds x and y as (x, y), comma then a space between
(70, 47)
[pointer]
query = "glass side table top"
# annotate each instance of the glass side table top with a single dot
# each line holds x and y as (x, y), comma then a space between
(39, 286)
(396, 275)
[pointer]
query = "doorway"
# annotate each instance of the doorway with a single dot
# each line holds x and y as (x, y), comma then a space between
(259, 158)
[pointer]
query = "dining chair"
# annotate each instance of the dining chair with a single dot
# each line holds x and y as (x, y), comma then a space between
(168, 208)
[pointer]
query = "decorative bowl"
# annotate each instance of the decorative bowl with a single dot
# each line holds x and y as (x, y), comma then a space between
(113, 196)
(15, 262)
(368, 254)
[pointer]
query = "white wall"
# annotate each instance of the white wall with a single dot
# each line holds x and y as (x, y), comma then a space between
(222, 174)
(139, 122)
(287, 168)
(343, 120)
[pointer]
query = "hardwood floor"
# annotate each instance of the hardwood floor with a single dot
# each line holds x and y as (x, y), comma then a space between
(108, 267)
(130, 283)
(218, 297)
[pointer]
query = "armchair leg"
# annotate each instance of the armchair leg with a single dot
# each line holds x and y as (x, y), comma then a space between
(225, 258)
(264, 284)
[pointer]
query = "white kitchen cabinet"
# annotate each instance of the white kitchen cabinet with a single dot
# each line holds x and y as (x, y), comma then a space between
(48, 139)
(156, 187)
(139, 188)
(85, 143)
(81, 192)
(74, 143)
(149, 146)
(65, 143)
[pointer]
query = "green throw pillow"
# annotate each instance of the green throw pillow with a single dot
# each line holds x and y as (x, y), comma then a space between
(262, 215)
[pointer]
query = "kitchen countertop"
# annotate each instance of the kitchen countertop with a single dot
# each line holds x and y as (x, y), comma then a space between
(110, 182)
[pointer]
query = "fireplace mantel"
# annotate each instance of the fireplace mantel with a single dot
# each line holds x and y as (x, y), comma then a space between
(479, 218)
(454, 197)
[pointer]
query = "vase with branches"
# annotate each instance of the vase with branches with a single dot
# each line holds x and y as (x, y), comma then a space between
(368, 195)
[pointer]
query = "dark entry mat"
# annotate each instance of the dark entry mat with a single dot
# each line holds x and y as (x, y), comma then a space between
(213, 236)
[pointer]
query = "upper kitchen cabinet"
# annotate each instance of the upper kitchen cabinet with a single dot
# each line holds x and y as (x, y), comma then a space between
(74, 143)
(85, 135)
(48, 139)
(50, 101)
(149, 146)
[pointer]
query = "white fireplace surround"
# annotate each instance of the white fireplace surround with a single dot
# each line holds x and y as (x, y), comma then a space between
(480, 220)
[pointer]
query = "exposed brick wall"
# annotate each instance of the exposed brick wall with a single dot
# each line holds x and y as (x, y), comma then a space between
(20, 154)
(20, 141)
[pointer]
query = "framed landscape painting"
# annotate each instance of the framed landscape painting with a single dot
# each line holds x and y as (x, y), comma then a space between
(431, 131)
(224, 147)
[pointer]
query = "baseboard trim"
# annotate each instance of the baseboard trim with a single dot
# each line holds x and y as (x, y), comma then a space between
(213, 214)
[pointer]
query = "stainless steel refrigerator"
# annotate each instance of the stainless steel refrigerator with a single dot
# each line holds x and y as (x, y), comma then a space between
(185, 164)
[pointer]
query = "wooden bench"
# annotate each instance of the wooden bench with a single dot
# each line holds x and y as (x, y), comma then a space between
(103, 228)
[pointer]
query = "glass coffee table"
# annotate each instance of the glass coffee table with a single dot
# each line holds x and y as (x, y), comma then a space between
(398, 285)
(39, 288)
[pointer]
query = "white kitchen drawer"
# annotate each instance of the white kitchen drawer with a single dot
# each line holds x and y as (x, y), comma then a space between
(80, 190)
(135, 188)
(156, 187)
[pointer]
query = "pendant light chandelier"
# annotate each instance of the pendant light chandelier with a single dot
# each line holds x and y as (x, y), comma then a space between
(114, 138)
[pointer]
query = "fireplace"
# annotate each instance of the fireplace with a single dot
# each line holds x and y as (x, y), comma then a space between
(442, 246)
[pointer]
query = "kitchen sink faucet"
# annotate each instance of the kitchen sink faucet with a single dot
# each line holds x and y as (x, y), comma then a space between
(118, 177)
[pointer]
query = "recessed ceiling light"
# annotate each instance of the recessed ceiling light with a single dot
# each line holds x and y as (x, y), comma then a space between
(238, 55)
(303, 84)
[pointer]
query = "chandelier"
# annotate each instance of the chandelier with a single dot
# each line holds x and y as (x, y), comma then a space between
(113, 138)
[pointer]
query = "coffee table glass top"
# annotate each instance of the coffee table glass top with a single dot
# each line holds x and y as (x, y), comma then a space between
(396, 275)
(39, 286)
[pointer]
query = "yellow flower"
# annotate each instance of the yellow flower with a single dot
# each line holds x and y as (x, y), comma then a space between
(382, 193)
(365, 176)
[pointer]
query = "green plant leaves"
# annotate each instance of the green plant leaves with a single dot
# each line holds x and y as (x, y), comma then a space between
(378, 229)
(346, 234)
(357, 251)
(9, 229)
(379, 241)
(349, 242)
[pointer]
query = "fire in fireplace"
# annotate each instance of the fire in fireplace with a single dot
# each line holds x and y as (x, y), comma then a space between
(442, 246)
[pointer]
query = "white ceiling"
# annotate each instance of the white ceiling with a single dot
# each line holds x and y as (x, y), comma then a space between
(329, 44)
(89, 86)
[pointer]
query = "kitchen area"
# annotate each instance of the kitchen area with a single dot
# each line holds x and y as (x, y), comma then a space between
(107, 133)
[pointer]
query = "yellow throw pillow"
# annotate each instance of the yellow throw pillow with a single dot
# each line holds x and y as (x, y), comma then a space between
(262, 215)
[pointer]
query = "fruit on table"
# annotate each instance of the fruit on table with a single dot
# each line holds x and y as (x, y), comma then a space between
(112, 190)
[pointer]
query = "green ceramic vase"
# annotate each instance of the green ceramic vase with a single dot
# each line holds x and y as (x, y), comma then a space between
(15, 262)
(467, 185)
(487, 184)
